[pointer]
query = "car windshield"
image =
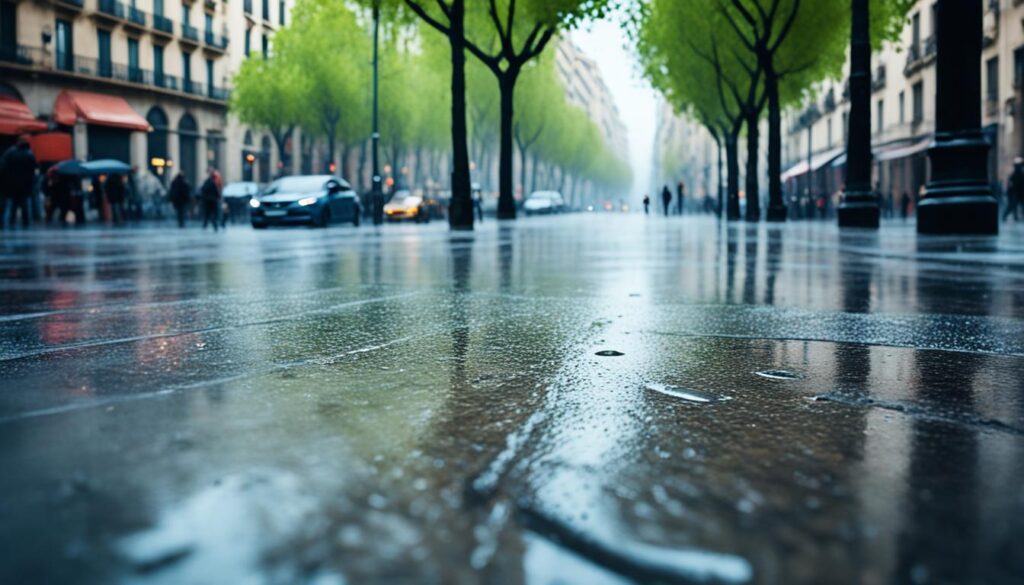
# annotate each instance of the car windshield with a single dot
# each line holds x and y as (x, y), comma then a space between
(411, 201)
(296, 185)
(543, 196)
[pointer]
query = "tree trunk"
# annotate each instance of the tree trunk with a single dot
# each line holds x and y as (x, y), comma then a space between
(522, 168)
(460, 213)
(776, 204)
(533, 173)
(506, 152)
(753, 184)
(733, 163)
(721, 185)
(360, 183)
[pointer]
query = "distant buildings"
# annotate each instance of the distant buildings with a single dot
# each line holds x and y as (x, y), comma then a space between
(585, 87)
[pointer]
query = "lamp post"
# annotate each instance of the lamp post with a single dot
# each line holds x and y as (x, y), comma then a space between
(377, 191)
(859, 206)
(958, 199)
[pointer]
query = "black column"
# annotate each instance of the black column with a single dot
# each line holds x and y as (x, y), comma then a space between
(859, 206)
(958, 199)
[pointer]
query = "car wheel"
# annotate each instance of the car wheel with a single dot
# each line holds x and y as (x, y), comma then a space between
(356, 217)
(259, 226)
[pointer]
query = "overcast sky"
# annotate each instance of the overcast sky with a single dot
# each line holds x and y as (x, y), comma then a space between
(607, 43)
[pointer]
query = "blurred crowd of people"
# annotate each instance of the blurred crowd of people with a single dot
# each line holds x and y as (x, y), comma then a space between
(31, 193)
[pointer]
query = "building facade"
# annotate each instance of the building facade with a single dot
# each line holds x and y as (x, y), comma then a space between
(585, 87)
(903, 110)
(146, 82)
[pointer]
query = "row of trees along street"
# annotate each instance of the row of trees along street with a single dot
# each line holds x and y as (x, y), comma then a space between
(730, 64)
(491, 91)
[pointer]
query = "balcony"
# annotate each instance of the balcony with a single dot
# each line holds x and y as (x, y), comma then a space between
(189, 34)
(214, 42)
(111, 9)
(18, 54)
(136, 18)
(163, 25)
(40, 60)
(75, 5)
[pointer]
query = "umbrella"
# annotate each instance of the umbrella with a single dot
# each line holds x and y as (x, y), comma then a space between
(107, 166)
(70, 167)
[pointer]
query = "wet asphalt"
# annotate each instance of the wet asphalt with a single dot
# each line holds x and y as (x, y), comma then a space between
(595, 399)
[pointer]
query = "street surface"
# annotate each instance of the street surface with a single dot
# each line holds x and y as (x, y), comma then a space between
(414, 406)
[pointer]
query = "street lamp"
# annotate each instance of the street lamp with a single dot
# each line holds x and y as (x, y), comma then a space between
(377, 192)
(859, 206)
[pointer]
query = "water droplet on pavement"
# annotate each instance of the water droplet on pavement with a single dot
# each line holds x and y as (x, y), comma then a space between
(609, 353)
(779, 375)
(682, 393)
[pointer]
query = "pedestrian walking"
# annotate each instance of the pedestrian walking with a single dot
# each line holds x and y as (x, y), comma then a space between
(905, 206)
(680, 197)
(151, 193)
(1014, 186)
(647, 204)
(117, 195)
(181, 198)
(17, 180)
(209, 195)
(478, 205)
(666, 199)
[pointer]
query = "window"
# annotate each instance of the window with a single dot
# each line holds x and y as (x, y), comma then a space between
(266, 46)
(8, 30)
(186, 71)
(209, 76)
(266, 10)
(915, 36)
(134, 74)
(881, 115)
(65, 46)
(903, 113)
(828, 127)
(185, 21)
(208, 21)
(280, 12)
(158, 7)
(103, 67)
(1018, 67)
(918, 95)
(158, 65)
(992, 79)
(248, 41)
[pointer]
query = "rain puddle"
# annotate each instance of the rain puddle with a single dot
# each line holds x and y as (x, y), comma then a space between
(779, 375)
(681, 393)
(609, 353)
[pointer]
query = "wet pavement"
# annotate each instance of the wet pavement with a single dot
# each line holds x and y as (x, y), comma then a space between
(584, 399)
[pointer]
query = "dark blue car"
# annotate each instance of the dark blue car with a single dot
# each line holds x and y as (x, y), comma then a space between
(316, 200)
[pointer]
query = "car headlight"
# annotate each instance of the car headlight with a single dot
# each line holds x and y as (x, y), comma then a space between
(254, 203)
(307, 201)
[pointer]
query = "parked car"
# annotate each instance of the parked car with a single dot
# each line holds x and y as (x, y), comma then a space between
(237, 197)
(404, 205)
(317, 200)
(544, 202)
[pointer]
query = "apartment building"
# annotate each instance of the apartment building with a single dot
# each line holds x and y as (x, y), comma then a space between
(684, 151)
(146, 82)
(585, 87)
(903, 109)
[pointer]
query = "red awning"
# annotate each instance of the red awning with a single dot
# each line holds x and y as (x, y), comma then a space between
(16, 118)
(96, 108)
(52, 146)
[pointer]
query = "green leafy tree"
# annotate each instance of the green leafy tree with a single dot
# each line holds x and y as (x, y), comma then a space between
(266, 95)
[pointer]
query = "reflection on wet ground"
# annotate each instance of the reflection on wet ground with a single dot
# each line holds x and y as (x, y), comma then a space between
(588, 399)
